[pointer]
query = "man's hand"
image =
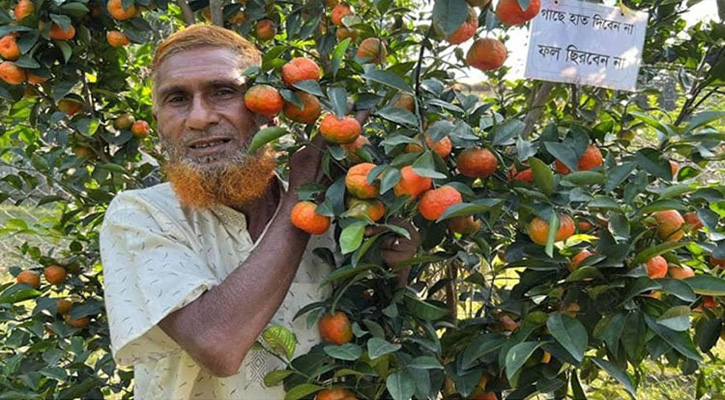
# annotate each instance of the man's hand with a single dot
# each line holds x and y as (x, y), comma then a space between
(396, 249)
(305, 164)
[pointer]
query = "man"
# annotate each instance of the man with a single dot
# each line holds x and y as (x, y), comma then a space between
(196, 268)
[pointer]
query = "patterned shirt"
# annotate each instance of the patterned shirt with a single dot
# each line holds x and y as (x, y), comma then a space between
(158, 257)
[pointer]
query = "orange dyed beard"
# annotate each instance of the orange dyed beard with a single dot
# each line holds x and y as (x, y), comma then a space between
(236, 183)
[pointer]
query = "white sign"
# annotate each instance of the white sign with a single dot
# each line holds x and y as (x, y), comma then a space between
(591, 44)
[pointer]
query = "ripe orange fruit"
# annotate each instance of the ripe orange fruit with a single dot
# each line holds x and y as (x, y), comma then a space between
(343, 33)
(486, 54)
(709, 302)
(584, 226)
(23, 9)
(466, 30)
(263, 99)
(63, 306)
(436, 201)
(334, 394)
(539, 229)
(140, 129)
(669, 225)
(124, 121)
(465, 225)
(115, 8)
(55, 274)
(506, 323)
(300, 69)
(477, 163)
(304, 217)
(526, 175)
(546, 357)
(404, 100)
(340, 11)
(309, 112)
(372, 50)
(674, 167)
(442, 147)
(36, 79)
(9, 48)
(510, 13)
(57, 33)
(80, 323)
(11, 73)
(373, 209)
(656, 267)
(411, 184)
(69, 106)
(591, 158)
(335, 328)
(352, 148)
(340, 130)
(693, 221)
(265, 29)
(356, 182)
(31, 278)
(117, 39)
(717, 262)
(681, 272)
(578, 258)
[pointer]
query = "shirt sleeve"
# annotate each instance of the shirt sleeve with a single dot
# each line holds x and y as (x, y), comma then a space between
(150, 270)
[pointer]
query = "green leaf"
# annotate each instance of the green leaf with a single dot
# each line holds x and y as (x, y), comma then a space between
(609, 329)
(352, 236)
(425, 166)
(617, 373)
(576, 387)
(423, 309)
(676, 318)
(74, 9)
(653, 122)
(543, 176)
(448, 15)
(570, 333)
(425, 362)
(401, 385)
(300, 391)
(265, 136)
(662, 248)
(563, 153)
(338, 99)
(679, 289)
(680, 341)
(653, 162)
(275, 377)
(618, 174)
(348, 351)
(310, 86)
(338, 54)
(703, 118)
(378, 347)
(641, 285)
(707, 285)
(604, 202)
(388, 78)
(465, 209)
(677, 191)
(584, 273)
(399, 116)
(281, 340)
(506, 132)
(517, 356)
(660, 205)
(479, 347)
(582, 178)
(18, 293)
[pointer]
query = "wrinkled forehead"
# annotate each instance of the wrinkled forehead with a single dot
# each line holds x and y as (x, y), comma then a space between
(201, 64)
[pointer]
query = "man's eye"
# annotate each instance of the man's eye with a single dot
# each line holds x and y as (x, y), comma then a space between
(175, 99)
(225, 92)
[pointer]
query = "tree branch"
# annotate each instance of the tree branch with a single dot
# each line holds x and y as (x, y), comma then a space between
(536, 108)
(217, 12)
(189, 18)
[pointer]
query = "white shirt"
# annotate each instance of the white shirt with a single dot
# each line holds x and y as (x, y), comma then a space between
(159, 256)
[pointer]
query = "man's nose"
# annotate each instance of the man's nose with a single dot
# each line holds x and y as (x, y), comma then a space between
(201, 114)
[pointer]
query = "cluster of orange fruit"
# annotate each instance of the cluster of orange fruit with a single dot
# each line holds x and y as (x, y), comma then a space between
(54, 275)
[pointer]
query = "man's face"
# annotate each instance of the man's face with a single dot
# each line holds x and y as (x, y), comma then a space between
(205, 129)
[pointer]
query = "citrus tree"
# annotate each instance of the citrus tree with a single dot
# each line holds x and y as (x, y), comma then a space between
(567, 232)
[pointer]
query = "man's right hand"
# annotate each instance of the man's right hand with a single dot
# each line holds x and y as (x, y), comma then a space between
(305, 164)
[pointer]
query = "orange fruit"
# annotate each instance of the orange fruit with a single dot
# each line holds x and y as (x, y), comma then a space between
(124, 121)
(343, 33)
(411, 184)
(693, 221)
(340, 130)
(23, 9)
(656, 267)
(506, 323)
(333, 394)
(11, 73)
(591, 158)
(477, 163)
(265, 29)
(335, 328)
(584, 226)
(309, 112)
(82, 151)
(578, 258)
(9, 48)
(674, 167)
(57, 33)
(356, 181)
(352, 148)
(465, 225)
(263, 99)
(571, 309)
(526, 175)
(404, 100)
(436, 201)
(485, 396)
(304, 216)
(669, 225)
(539, 229)
(300, 69)
(373, 209)
(238, 18)
(372, 50)
(546, 357)
(681, 272)
(63, 306)
(69, 106)
(140, 129)
(510, 13)
(117, 39)
(340, 11)
(55, 274)
(31, 278)
(80, 323)
(442, 147)
(486, 54)
(115, 8)
(466, 30)
(36, 79)
(717, 262)
(709, 302)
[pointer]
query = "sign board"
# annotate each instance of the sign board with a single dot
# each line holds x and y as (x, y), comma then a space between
(574, 41)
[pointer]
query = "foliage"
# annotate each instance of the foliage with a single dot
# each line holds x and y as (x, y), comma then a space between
(491, 303)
